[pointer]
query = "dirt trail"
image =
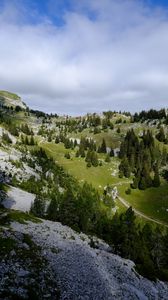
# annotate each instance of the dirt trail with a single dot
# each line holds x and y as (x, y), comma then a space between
(138, 213)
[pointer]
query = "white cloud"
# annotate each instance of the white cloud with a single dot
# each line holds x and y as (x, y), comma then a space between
(114, 60)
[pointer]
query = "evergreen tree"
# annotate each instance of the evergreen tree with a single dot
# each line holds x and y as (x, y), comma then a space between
(57, 139)
(88, 156)
(26, 141)
(75, 143)
(67, 144)
(53, 208)
(111, 152)
(142, 183)
(118, 130)
(125, 168)
(38, 207)
(67, 155)
(156, 180)
(102, 148)
(94, 159)
(49, 138)
(32, 142)
(161, 135)
(134, 185)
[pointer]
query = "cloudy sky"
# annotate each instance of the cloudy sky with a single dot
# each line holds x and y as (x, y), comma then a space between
(76, 56)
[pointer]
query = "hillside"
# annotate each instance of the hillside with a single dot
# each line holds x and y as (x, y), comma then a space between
(11, 100)
(83, 172)
(61, 264)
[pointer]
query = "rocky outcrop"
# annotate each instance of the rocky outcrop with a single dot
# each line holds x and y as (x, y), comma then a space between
(24, 272)
(18, 199)
(85, 272)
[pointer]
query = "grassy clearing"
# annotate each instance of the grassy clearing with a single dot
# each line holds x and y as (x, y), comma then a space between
(21, 217)
(4, 187)
(7, 216)
(153, 201)
(98, 176)
(111, 136)
(9, 95)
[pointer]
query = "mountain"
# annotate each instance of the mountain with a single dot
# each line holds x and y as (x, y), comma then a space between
(67, 230)
(11, 100)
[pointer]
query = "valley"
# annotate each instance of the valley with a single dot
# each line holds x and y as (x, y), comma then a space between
(110, 127)
(99, 180)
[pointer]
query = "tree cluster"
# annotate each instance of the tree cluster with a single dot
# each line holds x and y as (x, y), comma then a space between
(161, 137)
(26, 130)
(149, 115)
(146, 245)
(26, 140)
(141, 158)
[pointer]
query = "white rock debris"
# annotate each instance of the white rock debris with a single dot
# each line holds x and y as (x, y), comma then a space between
(18, 199)
(89, 273)
(7, 164)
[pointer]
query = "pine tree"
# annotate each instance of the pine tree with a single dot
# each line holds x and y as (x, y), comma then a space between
(103, 146)
(161, 135)
(94, 159)
(57, 139)
(125, 168)
(26, 141)
(38, 207)
(134, 185)
(123, 149)
(67, 155)
(75, 143)
(52, 211)
(88, 156)
(142, 183)
(67, 144)
(118, 130)
(156, 180)
(32, 142)
(111, 152)
(49, 138)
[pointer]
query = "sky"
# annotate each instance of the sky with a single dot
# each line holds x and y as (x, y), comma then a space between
(79, 56)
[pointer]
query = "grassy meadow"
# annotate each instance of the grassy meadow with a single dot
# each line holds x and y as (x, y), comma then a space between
(153, 202)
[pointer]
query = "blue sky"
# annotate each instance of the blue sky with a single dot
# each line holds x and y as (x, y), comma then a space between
(75, 56)
(56, 9)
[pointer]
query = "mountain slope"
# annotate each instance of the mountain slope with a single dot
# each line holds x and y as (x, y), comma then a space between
(89, 273)
(33, 145)
(10, 99)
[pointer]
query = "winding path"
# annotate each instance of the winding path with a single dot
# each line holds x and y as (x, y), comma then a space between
(138, 213)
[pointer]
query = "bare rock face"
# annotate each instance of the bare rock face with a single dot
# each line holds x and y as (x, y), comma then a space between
(18, 199)
(83, 272)
(24, 272)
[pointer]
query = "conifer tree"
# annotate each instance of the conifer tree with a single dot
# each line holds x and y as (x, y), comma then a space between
(38, 207)
(107, 159)
(32, 142)
(57, 139)
(103, 147)
(156, 180)
(161, 135)
(111, 152)
(142, 183)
